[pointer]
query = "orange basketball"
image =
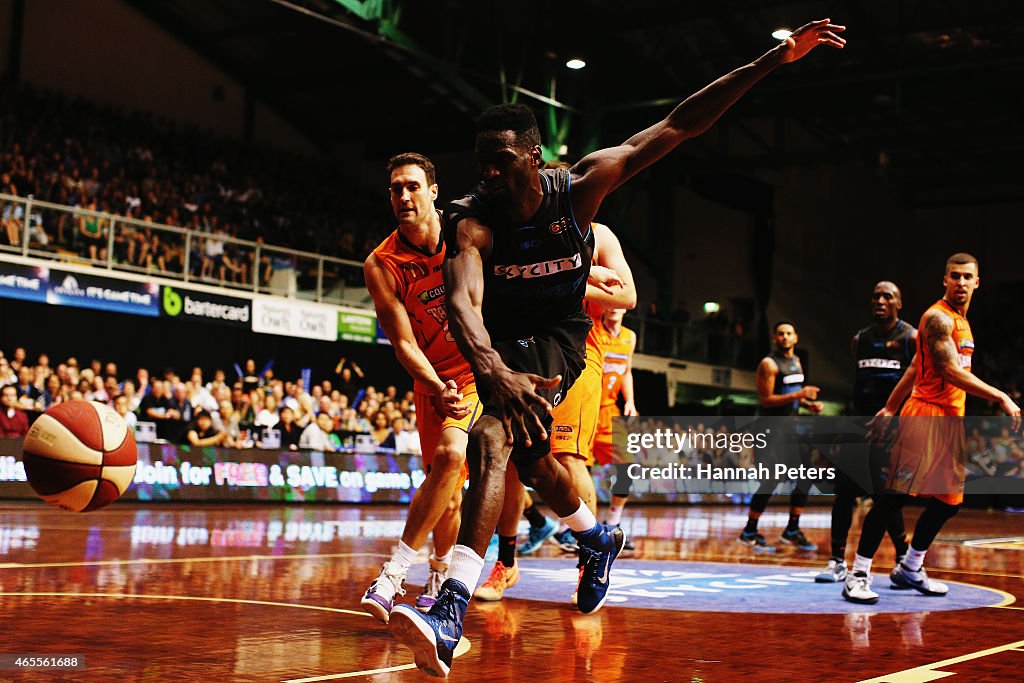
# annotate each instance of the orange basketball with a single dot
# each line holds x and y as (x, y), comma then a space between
(80, 456)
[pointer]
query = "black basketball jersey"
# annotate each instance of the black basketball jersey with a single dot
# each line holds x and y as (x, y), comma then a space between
(789, 380)
(535, 277)
(882, 358)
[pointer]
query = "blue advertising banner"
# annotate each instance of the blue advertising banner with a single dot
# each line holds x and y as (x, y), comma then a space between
(23, 282)
(102, 293)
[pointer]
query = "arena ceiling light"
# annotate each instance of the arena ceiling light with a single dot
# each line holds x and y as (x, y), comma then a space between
(575, 64)
(781, 33)
(711, 307)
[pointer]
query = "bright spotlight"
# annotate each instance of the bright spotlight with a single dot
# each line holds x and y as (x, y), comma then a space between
(575, 64)
(781, 33)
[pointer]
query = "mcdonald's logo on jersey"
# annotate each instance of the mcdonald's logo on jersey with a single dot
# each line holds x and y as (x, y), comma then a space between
(414, 270)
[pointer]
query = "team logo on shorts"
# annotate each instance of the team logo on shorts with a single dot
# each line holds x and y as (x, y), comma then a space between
(525, 343)
(563, 428)
(557, 399)
(558, 226)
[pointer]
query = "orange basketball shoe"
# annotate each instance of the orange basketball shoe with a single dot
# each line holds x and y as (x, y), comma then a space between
(501, 578)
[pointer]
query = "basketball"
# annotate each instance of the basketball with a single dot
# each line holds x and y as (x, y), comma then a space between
(80, 456)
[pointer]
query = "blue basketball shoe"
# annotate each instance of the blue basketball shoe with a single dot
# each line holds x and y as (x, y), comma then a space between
(537, 537)
(598, 549)
(432, 637)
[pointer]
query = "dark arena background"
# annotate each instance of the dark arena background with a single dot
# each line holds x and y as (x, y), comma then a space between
(189, 189)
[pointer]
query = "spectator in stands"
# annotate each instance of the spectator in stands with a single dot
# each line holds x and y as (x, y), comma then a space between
(237, 433)
(268, 415)
(121, 407)
(202, 433)
(18, 359)
(13, 422)
(110, 370)
(251, 380)
(349, 373)
(180, 402)
(141, 381)
(28, 394)
(405, 441)
(54, 393)
(7, 374)
(156, 405)
(318, 437)
(380, 431)
(290, 432)
(133, 397)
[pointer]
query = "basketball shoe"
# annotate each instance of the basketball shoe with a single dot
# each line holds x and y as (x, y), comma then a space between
(432, 637)
(598, 549)
(438, 573)
(902, 577)
(380, 596)
(501, 579)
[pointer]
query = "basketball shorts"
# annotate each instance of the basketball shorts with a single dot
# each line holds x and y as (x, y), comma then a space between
(928, 453)
(430, 422)
(604, 443)
(558, 350)
(574, 421)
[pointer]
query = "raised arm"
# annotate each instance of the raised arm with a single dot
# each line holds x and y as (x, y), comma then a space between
(937, 328)
(608, 254)
(603, 171)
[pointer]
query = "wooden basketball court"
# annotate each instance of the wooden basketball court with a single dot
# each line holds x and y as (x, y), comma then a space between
(271, 593)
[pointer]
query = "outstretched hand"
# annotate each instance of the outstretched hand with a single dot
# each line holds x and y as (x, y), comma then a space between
(810, 36)
(515, 396)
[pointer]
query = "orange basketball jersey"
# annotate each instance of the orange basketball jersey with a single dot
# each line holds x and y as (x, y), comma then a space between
(930, 386)
(419, 285)
(617, 352)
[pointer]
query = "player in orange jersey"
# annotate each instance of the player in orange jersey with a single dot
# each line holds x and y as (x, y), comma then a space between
(404, 278)
(617, 344)
(927, 455)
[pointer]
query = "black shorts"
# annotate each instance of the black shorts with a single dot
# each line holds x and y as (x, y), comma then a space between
(559, 350)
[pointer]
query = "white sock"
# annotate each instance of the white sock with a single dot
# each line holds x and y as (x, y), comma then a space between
(914, 559)
(465, 566)
(615, 514)
(862, 564)
(581, 520)
(403, 555)
(443, 559)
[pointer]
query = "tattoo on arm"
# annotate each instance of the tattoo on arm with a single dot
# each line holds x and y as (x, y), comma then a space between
(938, 333)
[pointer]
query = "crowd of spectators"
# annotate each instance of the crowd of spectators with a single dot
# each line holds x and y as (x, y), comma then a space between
(76, 153)
(244, 409)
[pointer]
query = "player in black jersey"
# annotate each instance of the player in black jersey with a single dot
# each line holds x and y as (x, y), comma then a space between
(518, 255)
(883, 351)
(782, 392)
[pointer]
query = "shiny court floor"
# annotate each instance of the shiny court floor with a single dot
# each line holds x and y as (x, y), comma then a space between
(271, 593)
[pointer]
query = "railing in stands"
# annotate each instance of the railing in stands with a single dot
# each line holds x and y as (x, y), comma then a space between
(30, 227)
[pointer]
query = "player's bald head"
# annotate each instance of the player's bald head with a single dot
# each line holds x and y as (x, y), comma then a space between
(891, 288)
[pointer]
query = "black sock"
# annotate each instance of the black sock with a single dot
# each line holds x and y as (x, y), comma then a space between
(794, 523)
(751, 526)
(534, 517)
(507, 550)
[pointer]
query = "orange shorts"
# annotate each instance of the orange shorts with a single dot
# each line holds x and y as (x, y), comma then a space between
(575, 419)
(928, 453)
(431, 423)
(604, 443)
